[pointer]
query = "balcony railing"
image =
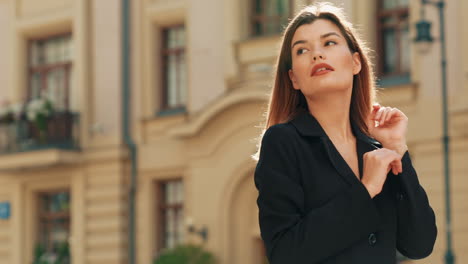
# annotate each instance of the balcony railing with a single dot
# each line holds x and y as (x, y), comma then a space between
(61, 132)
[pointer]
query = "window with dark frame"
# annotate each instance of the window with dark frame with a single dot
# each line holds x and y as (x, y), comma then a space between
(393, 38)
(54, 225)
(171, 214)
(174, 87)
(269, 16)
(50, 69)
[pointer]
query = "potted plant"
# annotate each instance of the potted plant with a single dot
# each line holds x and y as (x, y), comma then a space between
(38, 112)
(6, 113)
(60, 256)
(185, 254)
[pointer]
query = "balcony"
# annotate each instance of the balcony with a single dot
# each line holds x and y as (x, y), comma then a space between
(23, 145)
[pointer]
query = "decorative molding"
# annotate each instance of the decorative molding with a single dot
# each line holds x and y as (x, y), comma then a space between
(195, 125)
(38, 159)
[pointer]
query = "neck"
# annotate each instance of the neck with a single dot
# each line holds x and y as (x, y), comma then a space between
(332, 112)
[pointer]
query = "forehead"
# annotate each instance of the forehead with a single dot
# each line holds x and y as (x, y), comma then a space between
(314, 30)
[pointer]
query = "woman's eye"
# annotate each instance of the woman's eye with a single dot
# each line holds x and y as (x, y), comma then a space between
(330, 43)
(300, 51)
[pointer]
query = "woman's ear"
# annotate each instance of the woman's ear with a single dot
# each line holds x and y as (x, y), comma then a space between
(293, 79)
(356, 63)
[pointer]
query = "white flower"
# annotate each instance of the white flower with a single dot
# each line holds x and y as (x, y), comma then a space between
(17, 109)
(4, 111)
(38, 106)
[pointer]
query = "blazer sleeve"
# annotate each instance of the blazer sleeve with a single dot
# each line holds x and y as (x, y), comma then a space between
(292, 235)
(416, 224)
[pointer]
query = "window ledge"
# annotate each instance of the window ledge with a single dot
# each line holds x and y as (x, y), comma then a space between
(38, 159)
(391, 81)
(398, 95)
(172, 111)
(260, 48)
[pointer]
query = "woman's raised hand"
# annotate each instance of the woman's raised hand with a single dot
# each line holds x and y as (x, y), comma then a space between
(391, 128)
(377, 164)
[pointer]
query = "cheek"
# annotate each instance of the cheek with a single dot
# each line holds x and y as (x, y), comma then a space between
(299, 64)
(347, 66)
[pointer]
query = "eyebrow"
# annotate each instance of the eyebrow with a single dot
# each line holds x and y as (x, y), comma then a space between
(322, 37)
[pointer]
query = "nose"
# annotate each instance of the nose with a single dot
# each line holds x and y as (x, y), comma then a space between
(318, 57)
(318, 54)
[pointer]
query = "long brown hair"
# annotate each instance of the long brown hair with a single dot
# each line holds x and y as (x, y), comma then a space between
(286, 102)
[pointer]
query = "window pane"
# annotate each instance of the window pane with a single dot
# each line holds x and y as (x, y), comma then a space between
(172, 81)
(257, 30)
(389, 21)
(49, 52)
(171, 38)
(34, 54)
(284, 12)
(50, 74)
(54, 223)
(61, 49)
(402, 3)
(182, 80)
(68, 49)
(405, 50)
(56, 88)
(258, 6)
(170, 228)
(271, 8)
(35, 85)
(389, 4)
(282, 7)
(60, 231)
(389, 51)
(169, 193)
(181, 37)
(179, 190)
(72, 104)
(172, 213)
(58, 202)
(180, 226)
(175, 66)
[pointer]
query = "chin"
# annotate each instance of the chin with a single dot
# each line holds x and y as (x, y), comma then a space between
(331, 87)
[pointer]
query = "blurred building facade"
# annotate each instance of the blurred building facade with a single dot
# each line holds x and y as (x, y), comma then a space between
(201, 72)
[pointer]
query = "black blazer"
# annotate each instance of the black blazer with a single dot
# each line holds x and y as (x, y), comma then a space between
(313, 209)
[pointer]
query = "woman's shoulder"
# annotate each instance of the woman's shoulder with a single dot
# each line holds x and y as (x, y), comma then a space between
(280, 132)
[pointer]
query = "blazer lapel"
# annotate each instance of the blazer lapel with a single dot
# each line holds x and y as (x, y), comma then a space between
(364, 144)
(338, 162)
(307, 125)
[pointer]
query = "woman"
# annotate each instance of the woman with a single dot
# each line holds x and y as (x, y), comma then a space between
(335, 180)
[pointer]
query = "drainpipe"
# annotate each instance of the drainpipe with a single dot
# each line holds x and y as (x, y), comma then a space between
(128, 141)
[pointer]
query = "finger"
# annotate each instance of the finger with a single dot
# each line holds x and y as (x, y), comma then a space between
(390, 114)
(390, 156)
(376, 107)
(384, 116)
(378, 114)
(396, 167)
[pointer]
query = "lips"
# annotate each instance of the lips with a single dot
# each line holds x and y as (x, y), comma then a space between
(320, 69)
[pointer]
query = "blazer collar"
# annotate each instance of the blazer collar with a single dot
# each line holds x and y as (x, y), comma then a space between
(307, 125)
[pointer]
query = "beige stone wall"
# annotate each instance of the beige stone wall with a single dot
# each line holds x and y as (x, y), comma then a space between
(209, 147)
(5, 46)
(5, 233)
(105, 213)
